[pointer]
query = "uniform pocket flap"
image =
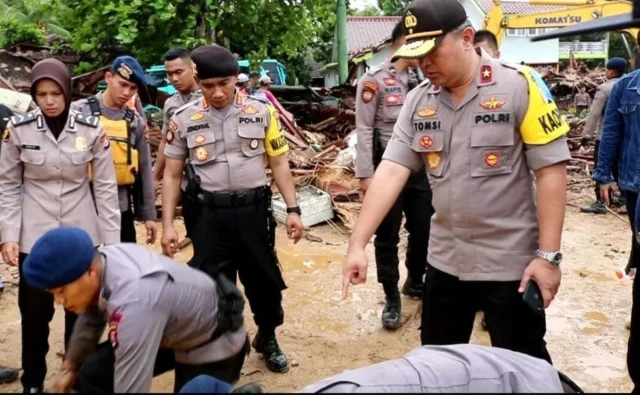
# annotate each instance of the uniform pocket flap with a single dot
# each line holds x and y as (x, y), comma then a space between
(200, 139)
(428, 142)
(32, 157)
(492, 137)
(253, 132)
(78, 158)
(627, 108)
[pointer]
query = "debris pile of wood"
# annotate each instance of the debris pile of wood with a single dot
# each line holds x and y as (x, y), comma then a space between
(565, 84)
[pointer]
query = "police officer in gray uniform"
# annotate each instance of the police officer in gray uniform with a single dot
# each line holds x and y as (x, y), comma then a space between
(177, 63)
(228, 137)
(380, 95)
(161, 315)
(481, 127)
(593, 126)
(126, 130)
(464, 368)
(48, 152)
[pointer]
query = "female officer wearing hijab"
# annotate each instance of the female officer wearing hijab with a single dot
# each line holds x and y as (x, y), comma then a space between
(51, 152)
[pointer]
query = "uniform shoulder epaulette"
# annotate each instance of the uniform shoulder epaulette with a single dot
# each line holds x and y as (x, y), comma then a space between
(18, 120)
(88, 120)
(181, 109)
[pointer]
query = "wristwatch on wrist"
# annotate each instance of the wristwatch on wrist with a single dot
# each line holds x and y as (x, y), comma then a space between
(294, 209)
(553, 258)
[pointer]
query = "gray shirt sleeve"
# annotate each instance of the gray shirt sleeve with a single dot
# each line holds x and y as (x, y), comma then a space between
(366, 107)
(148, 211)
(105, 189)
(137, 336)
(177, 147)
(86, 334)
(594, 120)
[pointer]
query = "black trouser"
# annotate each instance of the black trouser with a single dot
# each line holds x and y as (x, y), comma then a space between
(127, 227)
(449, 310)
(97, 373)
(614, 172)
(36, 310)
(189, 214)
(237, 238)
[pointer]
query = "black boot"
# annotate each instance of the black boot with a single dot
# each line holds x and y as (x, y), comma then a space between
(414, 289)
(392, 307)
(267, 345)
(596, 208)
(8, 375)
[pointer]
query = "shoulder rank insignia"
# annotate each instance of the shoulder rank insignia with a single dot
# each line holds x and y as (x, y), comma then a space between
(18, 120)
(88, 120)
(486, 74)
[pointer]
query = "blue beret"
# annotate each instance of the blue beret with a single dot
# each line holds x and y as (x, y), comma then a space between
(59, 257)
(129, 69)
(617, 64)
(206, 385)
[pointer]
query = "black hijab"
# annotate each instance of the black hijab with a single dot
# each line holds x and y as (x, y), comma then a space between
(56, 71)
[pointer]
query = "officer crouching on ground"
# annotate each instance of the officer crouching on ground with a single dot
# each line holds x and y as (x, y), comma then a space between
(380, 95)
(226, 135)
(129, 147)
(480, 126)
(157, 310)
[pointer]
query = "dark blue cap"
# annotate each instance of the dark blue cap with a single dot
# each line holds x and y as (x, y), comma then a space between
(206, 385)
(617, 64)
(59, 257)
(129, 69)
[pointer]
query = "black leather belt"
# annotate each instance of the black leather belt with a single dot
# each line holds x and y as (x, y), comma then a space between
(236, 199)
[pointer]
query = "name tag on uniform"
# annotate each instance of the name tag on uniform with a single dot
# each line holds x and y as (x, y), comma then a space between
(421, 126)
(195, 128)
(251, 120)
(31, 147)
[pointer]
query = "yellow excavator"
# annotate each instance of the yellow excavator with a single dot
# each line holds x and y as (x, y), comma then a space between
(576, 11)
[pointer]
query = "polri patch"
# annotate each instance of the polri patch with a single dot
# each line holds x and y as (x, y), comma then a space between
(114, 320)
(169, 136)
(6, 135)
(433, 159)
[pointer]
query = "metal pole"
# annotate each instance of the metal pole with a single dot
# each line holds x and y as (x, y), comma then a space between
(343, 59)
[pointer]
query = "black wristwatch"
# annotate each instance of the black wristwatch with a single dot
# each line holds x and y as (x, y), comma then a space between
(294, 209)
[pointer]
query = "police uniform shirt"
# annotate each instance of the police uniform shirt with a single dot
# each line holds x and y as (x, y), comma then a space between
(150, 301)
(596, 112)
(175, 102)
(148, 208)
(55, 174)
(380, 95)
(479, 155)
(464, 368)
(226, 147)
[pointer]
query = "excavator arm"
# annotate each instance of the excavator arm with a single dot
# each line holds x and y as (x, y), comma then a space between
(581, 11)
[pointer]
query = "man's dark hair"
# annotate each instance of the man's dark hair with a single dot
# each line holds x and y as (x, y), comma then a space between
(397, 33)
(487, 37)
(254, 74)
(177, 53)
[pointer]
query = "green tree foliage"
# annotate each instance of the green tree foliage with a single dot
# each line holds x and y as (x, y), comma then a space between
(45, 14)
(367, 11)
(256, 29)
(13, 32)
(393, 7)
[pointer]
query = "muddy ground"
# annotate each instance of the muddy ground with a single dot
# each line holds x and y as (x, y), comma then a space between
(323, 335)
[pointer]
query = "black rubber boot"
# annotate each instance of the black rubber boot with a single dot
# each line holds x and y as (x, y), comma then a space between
(411, 288)
(8, 375)
(393, 306)
(267, 345)
(596, 208)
